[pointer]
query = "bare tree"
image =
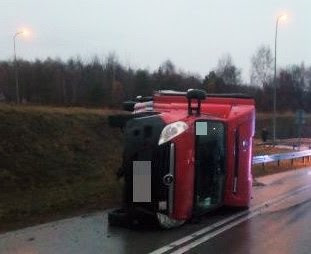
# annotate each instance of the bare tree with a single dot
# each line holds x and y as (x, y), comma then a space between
(226, 70)
(261, 66)
(168, 67)
(308, 78)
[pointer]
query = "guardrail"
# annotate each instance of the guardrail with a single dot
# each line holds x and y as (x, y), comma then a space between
(262, 159)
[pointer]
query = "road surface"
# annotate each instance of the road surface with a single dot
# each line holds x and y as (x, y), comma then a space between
(284, 229)
(279, 221)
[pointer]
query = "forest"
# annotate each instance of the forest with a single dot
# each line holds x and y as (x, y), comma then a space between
(106, 82)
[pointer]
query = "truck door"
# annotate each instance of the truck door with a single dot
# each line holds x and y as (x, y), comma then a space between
(210, 163)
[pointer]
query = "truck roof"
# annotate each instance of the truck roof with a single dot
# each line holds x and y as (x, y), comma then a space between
(220, 95)
(217, 105)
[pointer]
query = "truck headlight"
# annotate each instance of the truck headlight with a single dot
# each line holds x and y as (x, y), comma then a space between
(172, 130)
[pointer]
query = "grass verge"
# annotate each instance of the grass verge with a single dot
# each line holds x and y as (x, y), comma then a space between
(273, 167)
(56, 162)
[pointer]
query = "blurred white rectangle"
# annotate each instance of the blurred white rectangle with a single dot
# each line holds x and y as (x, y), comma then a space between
(141, 181)
(201, 128)
(162, 205)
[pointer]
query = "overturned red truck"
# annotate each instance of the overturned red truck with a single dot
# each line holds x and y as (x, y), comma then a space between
(185, 153)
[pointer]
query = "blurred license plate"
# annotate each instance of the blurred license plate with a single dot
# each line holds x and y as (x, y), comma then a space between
(141, 181)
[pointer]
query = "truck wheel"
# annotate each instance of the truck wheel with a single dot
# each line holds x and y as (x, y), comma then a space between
(166, 222)
(119, 217)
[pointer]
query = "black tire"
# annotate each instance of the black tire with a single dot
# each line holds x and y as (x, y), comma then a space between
(119, 217)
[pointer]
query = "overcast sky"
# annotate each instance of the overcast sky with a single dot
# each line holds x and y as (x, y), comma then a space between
(144, 33)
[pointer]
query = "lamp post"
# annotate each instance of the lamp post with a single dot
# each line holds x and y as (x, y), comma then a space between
(16, 67)
(280, 17)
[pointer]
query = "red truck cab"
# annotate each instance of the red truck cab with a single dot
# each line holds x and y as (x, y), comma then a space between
(187, 153)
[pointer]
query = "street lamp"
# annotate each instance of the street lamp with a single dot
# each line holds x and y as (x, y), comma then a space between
(282, 17)
(25, 33)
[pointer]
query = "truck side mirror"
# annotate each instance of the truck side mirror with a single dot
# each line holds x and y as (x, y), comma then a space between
(197, 95)
(129, 105)
(119, 120)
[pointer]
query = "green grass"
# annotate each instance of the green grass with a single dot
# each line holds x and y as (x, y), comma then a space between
(56, 160)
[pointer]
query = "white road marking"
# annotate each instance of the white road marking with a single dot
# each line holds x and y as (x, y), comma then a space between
(197, 233)
(253, 211)
(214, 233)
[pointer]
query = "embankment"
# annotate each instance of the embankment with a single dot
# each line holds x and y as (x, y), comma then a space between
(54, 161)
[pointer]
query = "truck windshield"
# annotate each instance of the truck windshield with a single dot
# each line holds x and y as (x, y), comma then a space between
(210, 157)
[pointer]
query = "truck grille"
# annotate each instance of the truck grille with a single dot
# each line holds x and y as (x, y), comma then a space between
(160, 162)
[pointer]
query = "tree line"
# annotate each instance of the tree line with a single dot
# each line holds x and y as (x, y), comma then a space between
(106, 83)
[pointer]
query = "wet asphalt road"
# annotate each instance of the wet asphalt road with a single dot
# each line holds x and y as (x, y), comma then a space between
(285, 228)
